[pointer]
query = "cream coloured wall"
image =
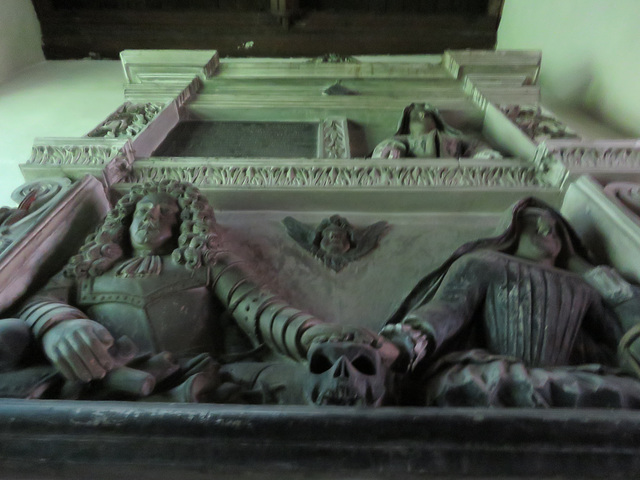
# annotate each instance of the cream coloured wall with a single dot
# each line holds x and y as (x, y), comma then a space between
(52, 99)
(20, 44)
(590, 54)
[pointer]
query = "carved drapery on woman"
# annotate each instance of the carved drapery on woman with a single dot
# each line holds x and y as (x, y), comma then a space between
(515, 319)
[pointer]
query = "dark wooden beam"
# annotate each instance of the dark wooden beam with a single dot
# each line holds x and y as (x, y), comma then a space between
(106, 32)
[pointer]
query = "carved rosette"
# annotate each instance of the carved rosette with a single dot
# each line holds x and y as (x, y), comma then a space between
(535, 123)
(594, 157)
(364, 175)
(127, 121)
(334, 139)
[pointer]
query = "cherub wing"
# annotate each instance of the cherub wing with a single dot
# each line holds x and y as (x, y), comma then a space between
(366, 239)
(301, 233)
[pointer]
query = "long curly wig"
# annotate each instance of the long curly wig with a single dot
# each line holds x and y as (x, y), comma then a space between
(110, 242)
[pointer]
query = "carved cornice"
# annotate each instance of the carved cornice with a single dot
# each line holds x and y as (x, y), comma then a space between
(352, 173)
(600, 157)
(127, 121)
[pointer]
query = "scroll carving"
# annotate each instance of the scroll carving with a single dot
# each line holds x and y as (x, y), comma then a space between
(127, 121)
(32, 198)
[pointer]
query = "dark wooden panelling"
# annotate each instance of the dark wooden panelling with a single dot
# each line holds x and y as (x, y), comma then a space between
(106, 30)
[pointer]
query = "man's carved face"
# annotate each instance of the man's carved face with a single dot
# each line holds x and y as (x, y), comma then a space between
(154, 220)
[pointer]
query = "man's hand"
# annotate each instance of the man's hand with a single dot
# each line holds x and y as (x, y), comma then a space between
(79, 349)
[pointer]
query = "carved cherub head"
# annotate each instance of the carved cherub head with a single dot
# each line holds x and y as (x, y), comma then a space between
(335, 241)
(155, 218)
(334, 235)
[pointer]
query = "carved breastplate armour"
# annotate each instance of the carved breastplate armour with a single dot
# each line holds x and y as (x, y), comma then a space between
(173, 311)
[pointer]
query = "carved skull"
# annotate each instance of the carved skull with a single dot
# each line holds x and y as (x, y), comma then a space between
(345, 373)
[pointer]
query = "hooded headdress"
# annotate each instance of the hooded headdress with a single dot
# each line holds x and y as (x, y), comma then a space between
(441, 125)
(506, 242)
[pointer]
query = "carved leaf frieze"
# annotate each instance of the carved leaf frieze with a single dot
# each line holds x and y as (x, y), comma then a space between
(334, 139)
(344, 176)
(126, 121)
(73, 154)
(590, 157)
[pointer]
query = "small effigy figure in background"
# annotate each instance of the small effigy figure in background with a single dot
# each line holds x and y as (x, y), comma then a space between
(522, 319)
(423, 133)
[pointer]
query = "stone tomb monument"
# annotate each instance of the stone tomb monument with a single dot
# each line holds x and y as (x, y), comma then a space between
(364, 266)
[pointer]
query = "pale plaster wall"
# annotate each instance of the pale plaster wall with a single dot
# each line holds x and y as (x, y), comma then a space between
(52, 99)
(590, 54)
(20, 37)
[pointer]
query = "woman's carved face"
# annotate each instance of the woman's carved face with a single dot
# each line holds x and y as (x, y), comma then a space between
(154, 221)
(539, 237)
(421, 120)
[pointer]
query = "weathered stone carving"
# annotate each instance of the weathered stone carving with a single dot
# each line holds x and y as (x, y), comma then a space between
(335, 241)
(127, 121)
(137, 312)
(90, 155)
(594, 157)
(423, 133)
(356, 174)
(519, 320)
(537, 124)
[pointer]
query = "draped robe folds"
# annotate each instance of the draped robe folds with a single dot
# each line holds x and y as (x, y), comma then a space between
(506, 331)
